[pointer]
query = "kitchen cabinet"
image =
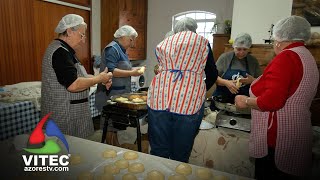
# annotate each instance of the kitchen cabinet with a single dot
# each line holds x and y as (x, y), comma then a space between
(264, 54)
(219, 41)
(116, 13)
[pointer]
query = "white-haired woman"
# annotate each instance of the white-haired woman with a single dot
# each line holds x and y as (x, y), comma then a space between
(177, 93)
(115, 58)
(65, 82)
(281, 132)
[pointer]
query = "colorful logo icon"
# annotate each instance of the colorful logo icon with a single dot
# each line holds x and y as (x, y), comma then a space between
(50, 146)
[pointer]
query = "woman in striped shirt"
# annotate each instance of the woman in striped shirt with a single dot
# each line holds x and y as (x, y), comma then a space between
(177, 93)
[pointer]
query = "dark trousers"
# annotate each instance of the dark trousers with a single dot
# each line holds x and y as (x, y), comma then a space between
(265, 168)
(172, 135)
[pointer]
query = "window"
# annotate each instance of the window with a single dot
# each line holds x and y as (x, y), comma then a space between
(205, 21)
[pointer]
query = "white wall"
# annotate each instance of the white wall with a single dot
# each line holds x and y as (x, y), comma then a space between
(256, 16)
(160, 21)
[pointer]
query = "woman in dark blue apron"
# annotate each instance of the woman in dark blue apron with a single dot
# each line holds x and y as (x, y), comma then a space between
(232, 66)
(222, 93)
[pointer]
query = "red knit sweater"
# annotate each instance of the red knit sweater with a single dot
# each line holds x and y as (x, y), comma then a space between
(279, 81)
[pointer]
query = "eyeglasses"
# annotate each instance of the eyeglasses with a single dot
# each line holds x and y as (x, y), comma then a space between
(83, 35)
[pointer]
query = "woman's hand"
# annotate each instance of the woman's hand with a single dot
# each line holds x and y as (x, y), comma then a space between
(231, 85)
(138, 71)
(240, 101)
(248, 80)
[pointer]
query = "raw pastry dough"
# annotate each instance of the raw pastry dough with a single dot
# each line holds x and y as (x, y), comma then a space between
(220, 177)
(177, 177)
(105, 176)
(129, 176)
(136, 168)
(130, 155)
(238, 84)
(111, 169)
(75, 159)
(85, 176)
(109, 153)
(145, 98)
(122, 163)
(137, 100)
(155, 175)
(203, 173)
(141, 70)
(184, 169)
(134, 96)
(121, 99)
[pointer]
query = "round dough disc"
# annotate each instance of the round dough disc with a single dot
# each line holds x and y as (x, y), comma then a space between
(111, 169)
(110, 153)
(155, 175)
(85, 176)
(220, 177)
(130, 155)
(184, 169)
(75, 159)
(105, 176)
(122, 163)
(203, 173)
(136, 168)
(129, 176)
(177, 177)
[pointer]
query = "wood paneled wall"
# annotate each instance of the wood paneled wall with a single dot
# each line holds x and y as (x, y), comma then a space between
(27, 28)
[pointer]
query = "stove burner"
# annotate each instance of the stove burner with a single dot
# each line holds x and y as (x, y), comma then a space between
(234, 121)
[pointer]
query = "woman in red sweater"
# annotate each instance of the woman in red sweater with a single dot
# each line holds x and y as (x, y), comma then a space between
(281, 131)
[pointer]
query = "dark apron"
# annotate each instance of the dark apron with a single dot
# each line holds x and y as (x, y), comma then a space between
(222, 93)
(120, 85)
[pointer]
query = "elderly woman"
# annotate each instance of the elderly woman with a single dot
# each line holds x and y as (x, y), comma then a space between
(65, 82)
(176, 95)
(114, 57)
(281, 133)
(234, 65)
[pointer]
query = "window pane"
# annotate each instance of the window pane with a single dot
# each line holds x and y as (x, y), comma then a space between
(192, 15)
(201, 26)
(209, 26)
(200, 16)
(210, 16)
(180, 17)
(201, 34)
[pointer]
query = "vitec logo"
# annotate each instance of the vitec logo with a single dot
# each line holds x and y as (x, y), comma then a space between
(47, 153)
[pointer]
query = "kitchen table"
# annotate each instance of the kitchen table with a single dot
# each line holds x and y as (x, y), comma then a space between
(93, 162)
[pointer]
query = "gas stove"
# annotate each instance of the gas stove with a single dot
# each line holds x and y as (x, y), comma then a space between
(233, 120)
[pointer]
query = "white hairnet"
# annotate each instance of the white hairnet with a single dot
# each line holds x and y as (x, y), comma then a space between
(243, 40)
(292, 28)
(69, 21)
(185, 24)
(125, 30)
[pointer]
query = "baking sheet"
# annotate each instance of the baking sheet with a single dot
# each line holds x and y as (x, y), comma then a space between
(130, 104)
(94, 162)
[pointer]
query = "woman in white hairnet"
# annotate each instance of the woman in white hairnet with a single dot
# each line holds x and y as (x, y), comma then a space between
(281, 132)
(177, 93)
(115, 58)
(233, 65)
(65, 82)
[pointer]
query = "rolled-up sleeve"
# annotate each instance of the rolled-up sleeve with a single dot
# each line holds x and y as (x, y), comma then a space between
(111, 58)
